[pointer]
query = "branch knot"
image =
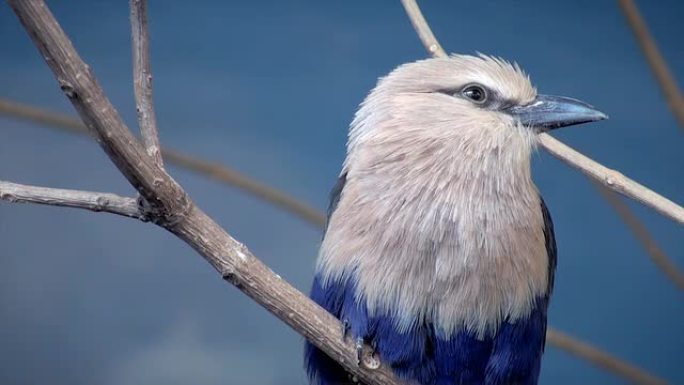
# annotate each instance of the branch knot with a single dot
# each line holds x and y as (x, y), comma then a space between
(68, 89)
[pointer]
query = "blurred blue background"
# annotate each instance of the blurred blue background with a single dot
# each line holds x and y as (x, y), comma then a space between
(269, 88)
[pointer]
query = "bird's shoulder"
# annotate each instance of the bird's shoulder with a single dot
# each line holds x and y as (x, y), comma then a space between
(335, 195)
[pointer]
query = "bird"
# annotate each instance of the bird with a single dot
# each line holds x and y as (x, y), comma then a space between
(439, 252)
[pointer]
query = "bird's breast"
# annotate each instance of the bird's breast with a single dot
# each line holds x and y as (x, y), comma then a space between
(458, 263)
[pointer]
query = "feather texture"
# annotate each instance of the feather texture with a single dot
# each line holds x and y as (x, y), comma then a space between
(512, 356)
(438, 250)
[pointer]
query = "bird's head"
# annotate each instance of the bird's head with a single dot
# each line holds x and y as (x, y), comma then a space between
(457, 109)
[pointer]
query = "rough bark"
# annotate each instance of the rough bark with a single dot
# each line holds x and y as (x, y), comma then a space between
(171, 208)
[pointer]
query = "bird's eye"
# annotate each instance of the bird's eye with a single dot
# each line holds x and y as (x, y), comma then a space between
(477, 94)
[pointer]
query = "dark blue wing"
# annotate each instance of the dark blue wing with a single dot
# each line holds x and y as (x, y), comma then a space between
(335, 197)
(551, 250)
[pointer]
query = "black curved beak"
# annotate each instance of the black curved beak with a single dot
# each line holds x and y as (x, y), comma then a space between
(548, 112)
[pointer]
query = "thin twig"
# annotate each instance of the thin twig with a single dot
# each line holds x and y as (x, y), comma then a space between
(209, 169)
(87, 200)
(665, 78)
(423, 29)
(142, 80)
(642, 234)
(41, 116)
(601, 358)
(610, 177)
(253, 187)
(172, 209)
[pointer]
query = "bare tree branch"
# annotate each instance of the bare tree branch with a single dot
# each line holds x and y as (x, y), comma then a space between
(142, 80)
(675, 100)
(93, 201)
(171, 208)
(602, 359)
(665, 78)
(641, 233)
(215, 171)
(80, 86)
(610, 178)
(423, 29)
(253, 187)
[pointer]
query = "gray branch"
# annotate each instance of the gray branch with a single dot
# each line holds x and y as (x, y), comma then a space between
(612, 179)
(171, 208)
(142, 80)
(93, 201)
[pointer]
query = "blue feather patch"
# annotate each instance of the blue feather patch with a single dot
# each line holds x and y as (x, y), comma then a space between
(322, 369)
(512, 356)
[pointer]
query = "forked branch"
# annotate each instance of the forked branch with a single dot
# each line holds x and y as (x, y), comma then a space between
(172, 209)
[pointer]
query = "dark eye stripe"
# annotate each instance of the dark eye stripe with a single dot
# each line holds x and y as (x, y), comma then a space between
(494, 100)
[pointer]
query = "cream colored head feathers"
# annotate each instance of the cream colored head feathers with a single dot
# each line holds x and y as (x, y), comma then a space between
(418, 94)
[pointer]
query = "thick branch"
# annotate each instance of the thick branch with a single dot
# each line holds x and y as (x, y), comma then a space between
(610, 178)
(212, 170)
(655, 59)
(93, 201)
(142, 80)
(176, 212)
(235, 263)
(238, 266)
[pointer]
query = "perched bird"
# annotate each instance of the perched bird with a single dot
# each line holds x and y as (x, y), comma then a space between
(439, 252)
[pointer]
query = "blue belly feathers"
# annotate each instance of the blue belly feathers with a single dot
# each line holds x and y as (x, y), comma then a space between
(511, 356)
